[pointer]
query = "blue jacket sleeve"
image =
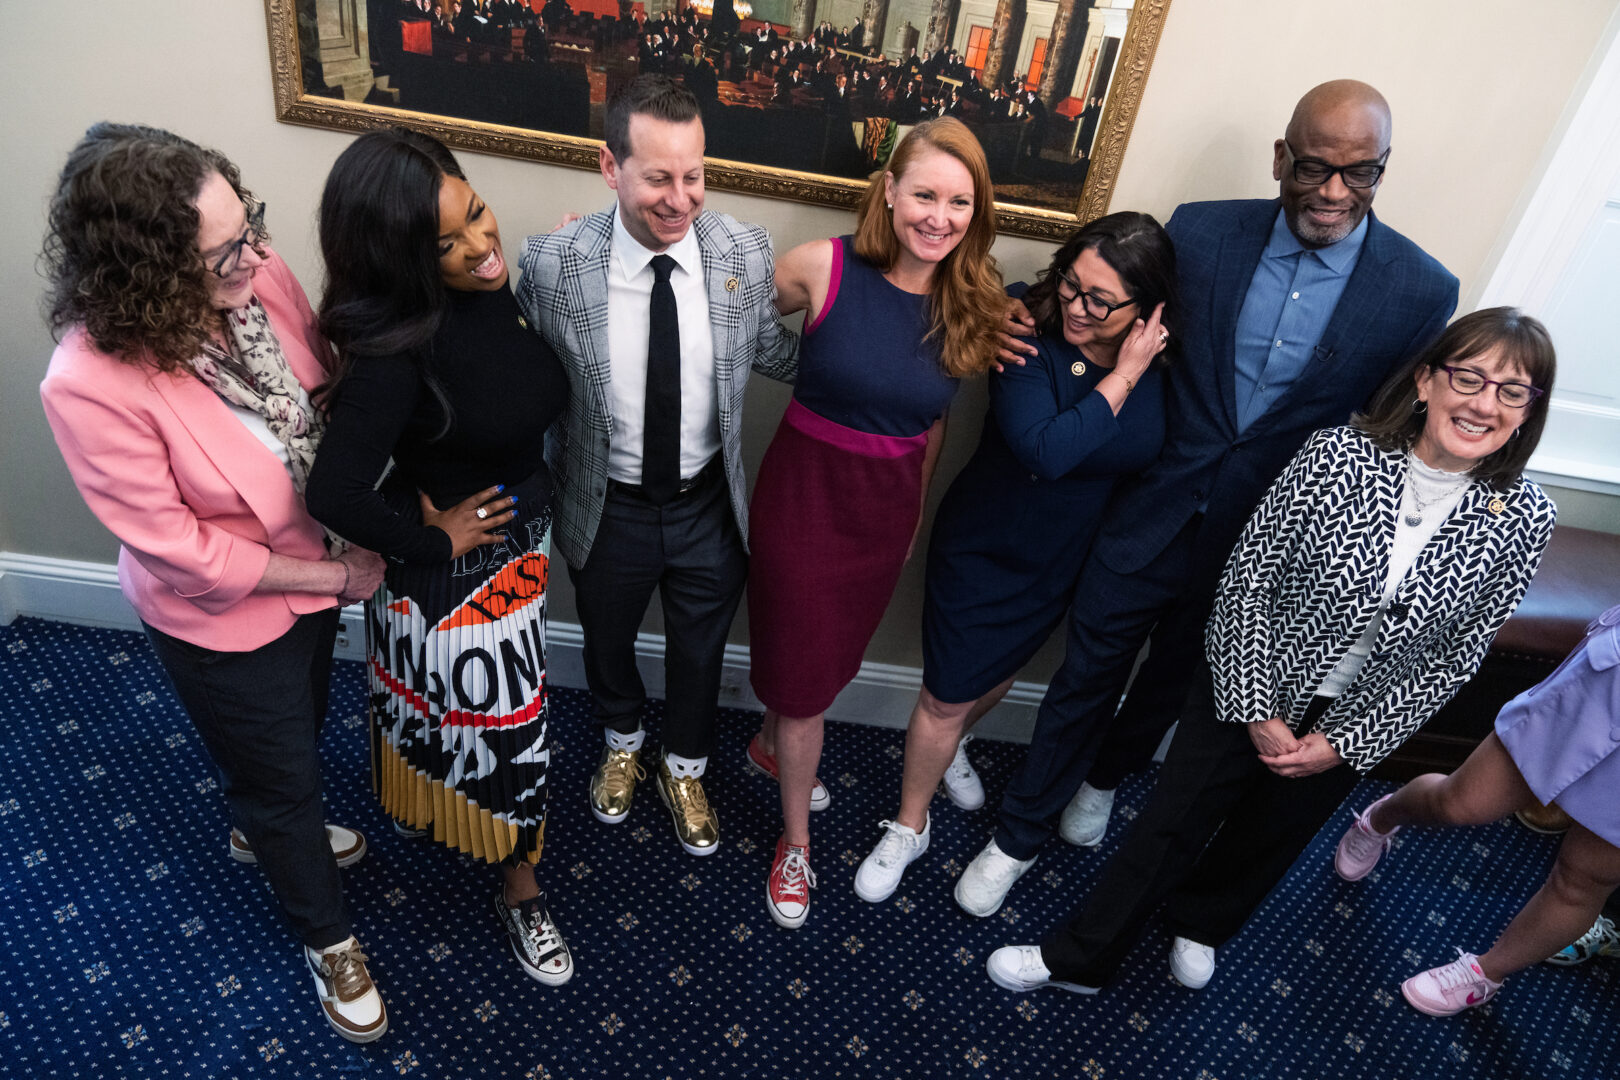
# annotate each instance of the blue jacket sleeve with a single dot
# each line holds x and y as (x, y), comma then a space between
(1048, 437)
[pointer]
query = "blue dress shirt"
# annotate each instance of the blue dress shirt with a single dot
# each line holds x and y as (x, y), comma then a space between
(1290, 300)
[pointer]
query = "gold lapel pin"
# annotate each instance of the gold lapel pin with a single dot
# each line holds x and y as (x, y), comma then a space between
(523, 322)
(1496, 506)
(731, 284)
(1077, 368)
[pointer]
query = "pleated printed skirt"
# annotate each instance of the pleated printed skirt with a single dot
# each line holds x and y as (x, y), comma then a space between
(457, 666)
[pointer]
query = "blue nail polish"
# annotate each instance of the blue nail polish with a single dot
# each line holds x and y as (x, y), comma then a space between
(514, 499)
(499, 488)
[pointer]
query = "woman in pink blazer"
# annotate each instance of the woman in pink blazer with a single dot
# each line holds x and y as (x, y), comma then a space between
(179, 397)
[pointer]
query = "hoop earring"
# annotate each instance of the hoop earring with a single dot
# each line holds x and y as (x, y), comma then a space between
(1419, 406)
(1515, 434)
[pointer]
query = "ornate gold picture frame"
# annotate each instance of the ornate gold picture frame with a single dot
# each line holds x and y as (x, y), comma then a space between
(1054, 112)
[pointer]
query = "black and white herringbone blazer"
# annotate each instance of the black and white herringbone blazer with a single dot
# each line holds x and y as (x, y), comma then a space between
(1307, 578)
(564, 293)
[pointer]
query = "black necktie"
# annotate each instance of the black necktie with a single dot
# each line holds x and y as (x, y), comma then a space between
(661, 432)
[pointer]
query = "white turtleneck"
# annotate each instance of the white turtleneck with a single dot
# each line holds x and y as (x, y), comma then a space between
(1430, 495)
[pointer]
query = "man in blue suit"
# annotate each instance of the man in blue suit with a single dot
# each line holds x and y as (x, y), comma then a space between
(1296, 309)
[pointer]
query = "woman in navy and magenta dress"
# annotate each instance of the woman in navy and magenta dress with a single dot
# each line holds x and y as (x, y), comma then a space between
(1015, 526)
(896, 315)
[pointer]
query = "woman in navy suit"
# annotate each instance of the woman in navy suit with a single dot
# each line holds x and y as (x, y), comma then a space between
(1015, 525)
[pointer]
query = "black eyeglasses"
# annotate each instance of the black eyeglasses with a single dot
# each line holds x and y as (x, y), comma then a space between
(253, 236)
(1515, 395)
(1314, 172)
(1068, 290)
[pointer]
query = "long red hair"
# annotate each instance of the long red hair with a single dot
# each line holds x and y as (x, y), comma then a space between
(966, 299)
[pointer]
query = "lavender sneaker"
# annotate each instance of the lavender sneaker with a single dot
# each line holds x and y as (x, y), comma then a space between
(1362, 846)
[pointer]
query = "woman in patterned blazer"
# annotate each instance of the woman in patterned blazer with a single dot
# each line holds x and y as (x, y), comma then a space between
(1366, 589)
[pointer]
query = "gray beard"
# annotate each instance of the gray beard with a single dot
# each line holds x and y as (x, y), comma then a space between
(1320, 236)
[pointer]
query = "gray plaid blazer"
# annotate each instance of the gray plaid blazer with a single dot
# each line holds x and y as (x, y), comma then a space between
(563, 292)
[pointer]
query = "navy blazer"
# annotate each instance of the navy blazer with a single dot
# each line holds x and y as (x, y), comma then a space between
(1397, 301)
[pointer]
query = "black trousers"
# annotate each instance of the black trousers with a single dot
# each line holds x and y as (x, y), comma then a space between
(1110, 619)
(1218, 832)
(689, 549)
(260, 715)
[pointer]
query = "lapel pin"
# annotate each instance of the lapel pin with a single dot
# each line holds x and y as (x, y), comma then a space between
(523, 322)
(1496, 506)
(731, 284)
(1077, 368)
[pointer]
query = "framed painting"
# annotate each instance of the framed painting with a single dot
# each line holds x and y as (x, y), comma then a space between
(802, 99)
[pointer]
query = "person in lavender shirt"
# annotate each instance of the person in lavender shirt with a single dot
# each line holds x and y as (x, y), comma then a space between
(1556, 742)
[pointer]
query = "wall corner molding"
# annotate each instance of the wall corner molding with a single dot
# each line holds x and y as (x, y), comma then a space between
(87, 594)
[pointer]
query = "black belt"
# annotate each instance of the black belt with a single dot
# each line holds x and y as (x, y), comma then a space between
(698, 479)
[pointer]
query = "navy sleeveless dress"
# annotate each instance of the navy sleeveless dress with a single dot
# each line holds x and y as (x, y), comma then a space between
(840, 489)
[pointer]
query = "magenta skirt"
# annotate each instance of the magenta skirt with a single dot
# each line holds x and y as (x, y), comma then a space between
(833, 514)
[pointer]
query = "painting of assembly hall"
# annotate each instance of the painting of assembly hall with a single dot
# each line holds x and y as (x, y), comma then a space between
(823, 87)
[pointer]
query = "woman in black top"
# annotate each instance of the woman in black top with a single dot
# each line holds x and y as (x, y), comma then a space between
(439, 371)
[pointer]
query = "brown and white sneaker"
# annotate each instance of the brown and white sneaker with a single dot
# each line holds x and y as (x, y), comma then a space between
(349, 998)
(348, 846)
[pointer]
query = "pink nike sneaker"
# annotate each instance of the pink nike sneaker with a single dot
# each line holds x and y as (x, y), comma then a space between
(1450, 988)
(1361, 846)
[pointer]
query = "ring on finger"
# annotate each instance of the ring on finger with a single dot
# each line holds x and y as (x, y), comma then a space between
(482, 513)
(1164, 337)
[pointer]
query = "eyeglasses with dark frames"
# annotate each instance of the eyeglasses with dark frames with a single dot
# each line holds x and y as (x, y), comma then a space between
(1314, 172)
(253, 236)
(1515, 395)
(1068, 290)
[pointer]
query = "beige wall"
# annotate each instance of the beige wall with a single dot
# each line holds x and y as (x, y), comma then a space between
(1476, 87)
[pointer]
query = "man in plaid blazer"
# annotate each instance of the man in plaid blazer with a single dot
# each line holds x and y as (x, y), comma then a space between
(647, 459)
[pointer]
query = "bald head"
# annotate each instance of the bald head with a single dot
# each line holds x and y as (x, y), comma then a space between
(1342, 104)
(1337, 126)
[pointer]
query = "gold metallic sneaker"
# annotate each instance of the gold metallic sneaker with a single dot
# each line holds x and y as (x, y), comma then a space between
(614, 783)
(696, 825)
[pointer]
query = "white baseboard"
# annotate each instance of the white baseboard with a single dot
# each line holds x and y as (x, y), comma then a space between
(882, 695)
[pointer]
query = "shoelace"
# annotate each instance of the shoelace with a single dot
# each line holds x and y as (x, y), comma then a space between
(1001, 868)
(894, 844)
(1459, 973)
(688, 795)
(348, 969)
(796, 873)
(1363, 841)
(544, 929)
(960, 767)
(616, 777)
(1601, 930)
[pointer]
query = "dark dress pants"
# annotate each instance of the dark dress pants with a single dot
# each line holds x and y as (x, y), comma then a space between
(689, 549)
(1213, 785)
(260, 715)
(1111, 617)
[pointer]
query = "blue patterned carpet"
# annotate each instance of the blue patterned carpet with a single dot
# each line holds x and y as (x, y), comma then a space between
(135, 947)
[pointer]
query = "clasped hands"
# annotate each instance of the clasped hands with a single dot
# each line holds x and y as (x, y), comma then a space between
(1288, 756)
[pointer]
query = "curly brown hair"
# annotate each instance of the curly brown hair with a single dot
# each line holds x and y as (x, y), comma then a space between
(121, 244)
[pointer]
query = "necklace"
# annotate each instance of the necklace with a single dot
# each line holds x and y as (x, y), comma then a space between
(1420, 505)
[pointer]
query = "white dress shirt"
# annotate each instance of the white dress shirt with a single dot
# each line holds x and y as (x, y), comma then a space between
(630, 282)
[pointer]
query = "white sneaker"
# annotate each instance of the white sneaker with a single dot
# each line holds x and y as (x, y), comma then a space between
(349, 999)
(1020, 968)
(1085, 819)
(962, 784)
(880, 872)
(984, 884)
(1191, 963)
